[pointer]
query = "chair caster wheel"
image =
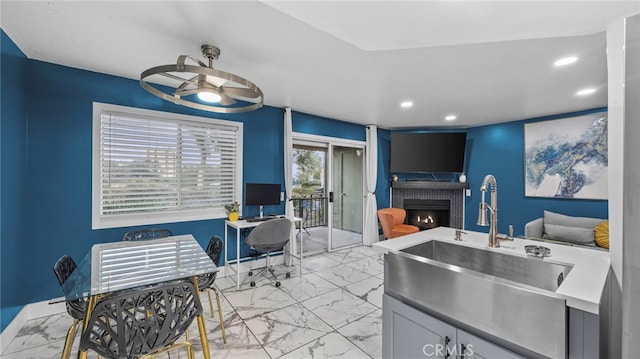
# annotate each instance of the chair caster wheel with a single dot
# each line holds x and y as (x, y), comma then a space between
(277, 284)
(253, 284)
(288, 275)
(250, 273)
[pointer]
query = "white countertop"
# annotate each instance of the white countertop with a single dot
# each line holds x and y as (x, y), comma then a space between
(582, 288)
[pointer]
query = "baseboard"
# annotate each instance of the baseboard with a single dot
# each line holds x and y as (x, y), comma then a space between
(28, 312)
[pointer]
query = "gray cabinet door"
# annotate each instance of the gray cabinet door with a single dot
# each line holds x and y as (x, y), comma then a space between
(409, 333)
(472, 347)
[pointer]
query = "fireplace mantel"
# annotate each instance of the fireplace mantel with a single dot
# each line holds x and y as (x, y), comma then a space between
(429, 185)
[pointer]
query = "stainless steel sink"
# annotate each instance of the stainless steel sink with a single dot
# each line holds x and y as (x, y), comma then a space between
(540, 274)
(505, 296)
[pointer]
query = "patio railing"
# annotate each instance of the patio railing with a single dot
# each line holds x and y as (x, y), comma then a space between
(311, 210)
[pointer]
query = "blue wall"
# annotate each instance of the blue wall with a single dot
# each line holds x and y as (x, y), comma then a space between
(499, 150)
(13, 127)
(53, 191)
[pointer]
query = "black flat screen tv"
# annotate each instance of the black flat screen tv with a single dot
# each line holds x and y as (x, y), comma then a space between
(262, 194)
(438, 152)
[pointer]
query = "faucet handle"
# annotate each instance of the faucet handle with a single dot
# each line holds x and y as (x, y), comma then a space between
(459, 234)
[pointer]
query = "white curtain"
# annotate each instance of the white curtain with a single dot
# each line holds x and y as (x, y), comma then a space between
(288, 179)
(370, 230)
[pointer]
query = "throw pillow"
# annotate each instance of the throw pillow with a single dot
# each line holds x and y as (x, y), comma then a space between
(577, 235)
(602, 234)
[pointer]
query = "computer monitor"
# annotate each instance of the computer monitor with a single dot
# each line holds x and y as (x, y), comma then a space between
(262, 194)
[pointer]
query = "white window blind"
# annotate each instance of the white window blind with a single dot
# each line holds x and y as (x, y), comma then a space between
(155, 167)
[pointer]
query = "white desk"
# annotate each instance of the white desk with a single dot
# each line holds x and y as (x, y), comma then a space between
(240, 224)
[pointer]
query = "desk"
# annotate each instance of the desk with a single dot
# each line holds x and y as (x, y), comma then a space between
(241, 224)
(110, 267)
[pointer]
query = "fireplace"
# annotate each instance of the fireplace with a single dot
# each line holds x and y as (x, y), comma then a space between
(451, 192)
(428, 213)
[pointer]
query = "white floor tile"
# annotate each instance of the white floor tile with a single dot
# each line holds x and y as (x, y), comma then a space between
(342, 275)
(306, 286)
(371, 265)
(339, 307)
(370, 289)
(332, 345)
(366, 333)
(286, 329)
(258, 301)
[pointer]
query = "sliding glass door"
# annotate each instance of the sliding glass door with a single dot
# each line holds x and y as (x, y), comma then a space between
(328, 191)
(347, 189)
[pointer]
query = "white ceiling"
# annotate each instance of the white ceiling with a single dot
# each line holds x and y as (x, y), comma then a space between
(486, 62)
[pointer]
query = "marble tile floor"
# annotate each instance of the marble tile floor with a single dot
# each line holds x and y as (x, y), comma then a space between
(334, 309)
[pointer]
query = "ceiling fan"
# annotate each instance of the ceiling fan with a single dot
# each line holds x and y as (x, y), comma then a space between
(199, 85)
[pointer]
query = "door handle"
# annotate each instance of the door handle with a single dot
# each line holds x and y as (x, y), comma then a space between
(447, 340)
(331, 197)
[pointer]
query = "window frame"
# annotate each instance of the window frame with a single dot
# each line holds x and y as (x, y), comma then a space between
(103, 221)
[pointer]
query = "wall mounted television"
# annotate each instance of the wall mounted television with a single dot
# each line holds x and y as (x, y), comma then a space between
(437, 152)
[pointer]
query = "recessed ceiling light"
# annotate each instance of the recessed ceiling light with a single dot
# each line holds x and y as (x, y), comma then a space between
(565, 61)
(406, 104)
(585, 92)
(450, 117)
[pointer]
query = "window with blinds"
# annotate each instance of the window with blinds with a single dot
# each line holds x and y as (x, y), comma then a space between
(153, 167)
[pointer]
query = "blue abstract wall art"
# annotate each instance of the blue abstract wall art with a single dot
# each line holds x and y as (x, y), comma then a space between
(567, 158)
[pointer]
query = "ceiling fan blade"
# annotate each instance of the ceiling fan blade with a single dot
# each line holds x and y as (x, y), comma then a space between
(216, 81)
(191, 81)
(239, 92)
(226, 100)
(185, 92)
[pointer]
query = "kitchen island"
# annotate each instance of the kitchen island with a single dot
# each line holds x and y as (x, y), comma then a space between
(581, 290)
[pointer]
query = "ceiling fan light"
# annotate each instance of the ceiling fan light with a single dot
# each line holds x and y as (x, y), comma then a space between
(208, 96)
(216, 90)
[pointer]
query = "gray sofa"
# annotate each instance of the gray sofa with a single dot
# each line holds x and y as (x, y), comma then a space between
(562, 228)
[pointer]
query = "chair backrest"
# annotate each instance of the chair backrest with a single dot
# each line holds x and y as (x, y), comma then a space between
(144, 234)
(141, 321)
(389, 217)
(63, 269)
(270, 235)
(214, 251)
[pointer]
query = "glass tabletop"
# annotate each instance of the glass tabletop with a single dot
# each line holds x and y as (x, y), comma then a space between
(110, 267)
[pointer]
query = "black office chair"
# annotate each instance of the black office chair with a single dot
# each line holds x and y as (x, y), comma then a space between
(205, 281)
(145, 234)
(269, 236)
(142, 322)
(76, 308)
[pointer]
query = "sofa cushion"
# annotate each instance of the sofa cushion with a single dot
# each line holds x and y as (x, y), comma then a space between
(577, 235)
(570, 221)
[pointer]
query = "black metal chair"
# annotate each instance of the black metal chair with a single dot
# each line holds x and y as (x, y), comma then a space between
(76, 308)
(145, 234)
(270, 236)
(205, 281)
(142, 322)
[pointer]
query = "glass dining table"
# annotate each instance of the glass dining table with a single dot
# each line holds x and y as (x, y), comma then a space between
(116, 266)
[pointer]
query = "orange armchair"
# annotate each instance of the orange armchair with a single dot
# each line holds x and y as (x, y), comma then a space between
(392, 223)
